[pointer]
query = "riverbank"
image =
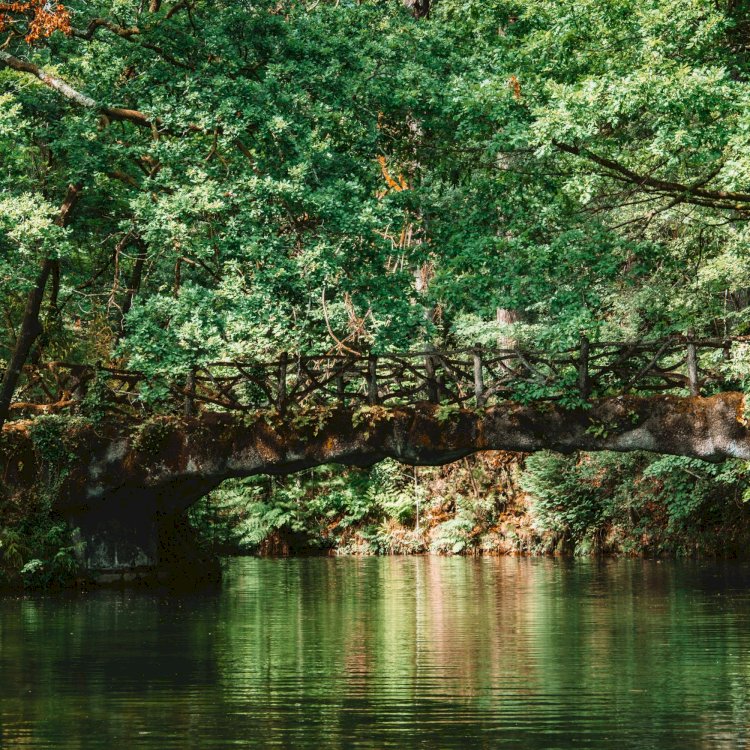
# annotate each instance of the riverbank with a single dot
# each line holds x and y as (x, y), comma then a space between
(496, 503)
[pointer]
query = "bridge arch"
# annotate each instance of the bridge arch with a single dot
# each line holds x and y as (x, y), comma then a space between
(127, 485)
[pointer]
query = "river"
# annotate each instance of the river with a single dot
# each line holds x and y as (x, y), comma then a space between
(389, 652)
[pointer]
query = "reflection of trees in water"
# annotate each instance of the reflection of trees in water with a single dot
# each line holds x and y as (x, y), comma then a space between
(326, 652)
(88, 671)
(437, 640)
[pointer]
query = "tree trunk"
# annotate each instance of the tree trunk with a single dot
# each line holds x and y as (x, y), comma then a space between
(135, 278)
(419, 8)
(55, 289)
(506, 317)
(31, 326)
(52, 309)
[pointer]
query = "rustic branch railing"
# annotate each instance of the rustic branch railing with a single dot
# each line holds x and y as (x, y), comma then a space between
(475, 376)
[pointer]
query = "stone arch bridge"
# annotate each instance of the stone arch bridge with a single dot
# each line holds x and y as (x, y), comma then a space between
(125, 475)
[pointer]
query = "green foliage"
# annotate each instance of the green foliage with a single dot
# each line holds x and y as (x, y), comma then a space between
(584, 504)
(651, 503)
(311, 420)
(370, 417)
(447, 412)
(151, 434)
(565, 495)
(39, 550)
(42, 553)
(48, 436)
(13, 551)
(390, 490)
(687, 485)
(453, 536)
(298, 151)
(61, 549)
(55, 441)
(583, 167)
(310, 161)
(318, 505)
(97, 399)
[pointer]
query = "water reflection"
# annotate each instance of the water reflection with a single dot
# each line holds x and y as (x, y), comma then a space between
(395, 652)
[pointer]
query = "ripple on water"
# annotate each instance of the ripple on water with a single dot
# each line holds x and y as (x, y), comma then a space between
(390, 652)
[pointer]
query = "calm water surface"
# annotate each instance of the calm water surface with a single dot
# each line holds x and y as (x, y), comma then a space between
(389, 652)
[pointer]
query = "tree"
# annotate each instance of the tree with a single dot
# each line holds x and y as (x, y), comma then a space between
(236, 160)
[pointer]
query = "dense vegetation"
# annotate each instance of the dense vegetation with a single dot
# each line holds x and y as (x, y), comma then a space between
(493, 504)
(185, 181)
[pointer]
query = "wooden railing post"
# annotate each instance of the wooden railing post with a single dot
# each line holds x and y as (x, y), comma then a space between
(372, 379)
(478, 376)
(692, 365)
(281, 393)
(441, 389)
(189, 406)
(432, 387)
(584, 382)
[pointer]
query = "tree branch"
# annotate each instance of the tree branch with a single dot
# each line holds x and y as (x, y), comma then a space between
(82, 100)
(696, 190)
(133, 35)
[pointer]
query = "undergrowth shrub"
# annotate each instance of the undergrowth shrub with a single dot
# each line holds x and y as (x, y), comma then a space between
(637, 502)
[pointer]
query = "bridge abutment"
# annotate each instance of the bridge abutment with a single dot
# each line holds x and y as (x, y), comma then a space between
(135, 536)
(117, 545)
(120, 548)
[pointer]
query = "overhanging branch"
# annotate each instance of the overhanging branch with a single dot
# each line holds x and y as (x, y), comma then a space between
(80, 99)
(695, 193)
